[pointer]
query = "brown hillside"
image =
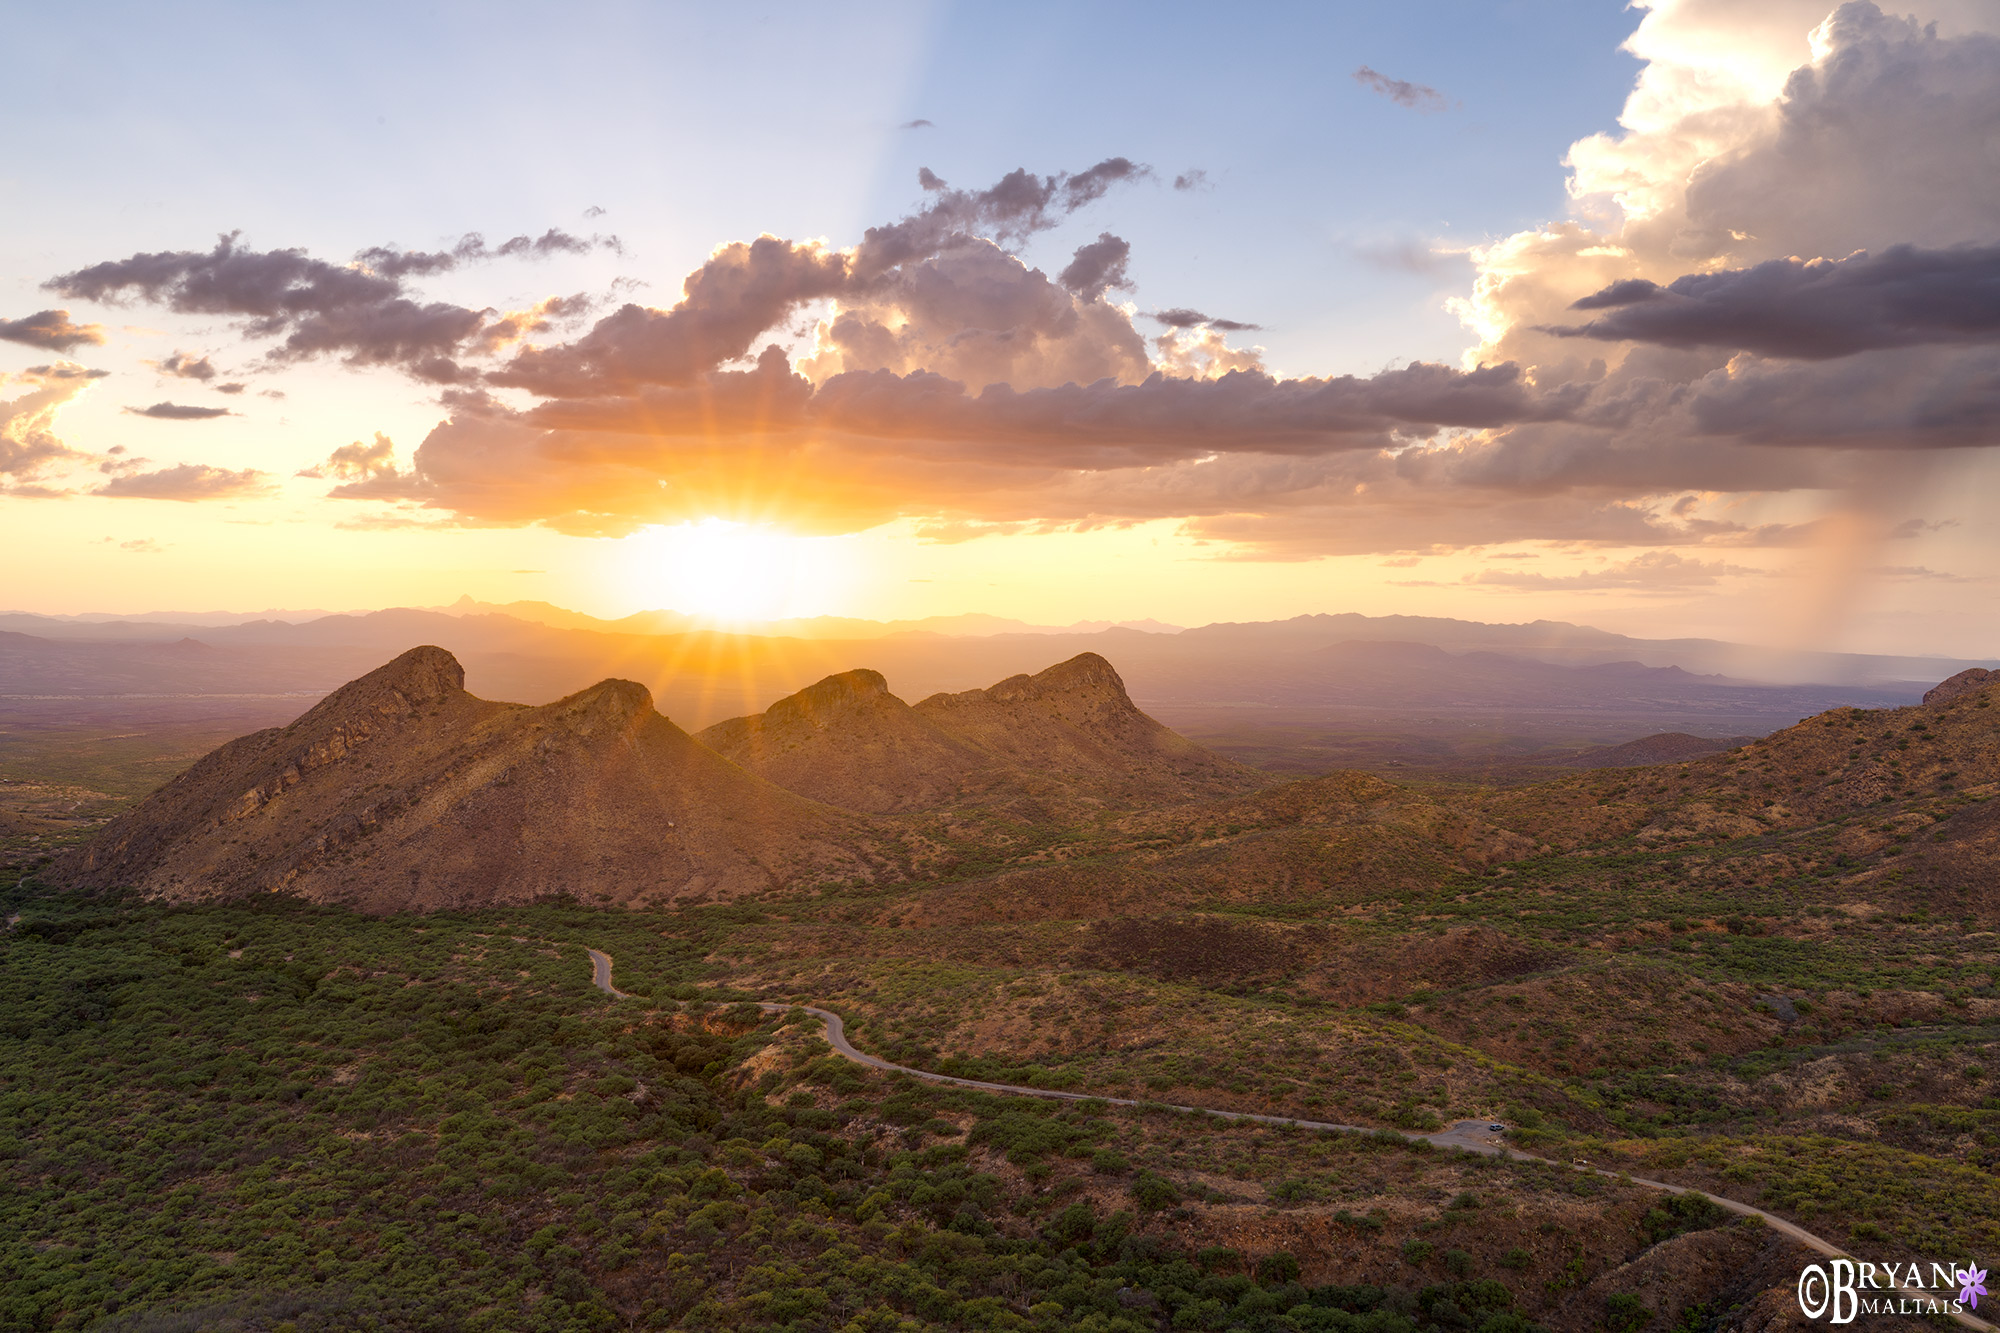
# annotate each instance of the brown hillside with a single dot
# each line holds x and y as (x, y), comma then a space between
(1840, 764)
(1667, 747)
(1076, 721)
(1068, 733)
(849, 742)
(400, 791)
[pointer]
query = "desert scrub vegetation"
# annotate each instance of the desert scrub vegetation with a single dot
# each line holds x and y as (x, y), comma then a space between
(262, 1115)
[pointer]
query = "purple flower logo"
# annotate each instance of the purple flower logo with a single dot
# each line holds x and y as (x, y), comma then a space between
(1972, 1285)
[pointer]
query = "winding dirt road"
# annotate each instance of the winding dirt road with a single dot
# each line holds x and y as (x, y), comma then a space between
(1469, 1135)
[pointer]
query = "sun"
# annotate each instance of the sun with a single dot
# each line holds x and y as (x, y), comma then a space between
(730, 572)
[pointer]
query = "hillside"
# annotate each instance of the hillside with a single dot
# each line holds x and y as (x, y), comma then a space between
(1069, 734)
(401, 791)
(849, 742)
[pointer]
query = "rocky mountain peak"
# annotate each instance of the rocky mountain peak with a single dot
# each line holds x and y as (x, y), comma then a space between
(1086, 675)
(819, 705)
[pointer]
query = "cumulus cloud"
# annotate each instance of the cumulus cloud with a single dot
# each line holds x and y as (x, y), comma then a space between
(179, 412)
(1822, 308)
(942, 255)
(52, 331)
(1416, 96)
(188, 482)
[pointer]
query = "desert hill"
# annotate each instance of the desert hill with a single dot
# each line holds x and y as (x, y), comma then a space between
(1070, 732)
(849, 742)
(1666, 747)
(1907, 769)
(401, 791)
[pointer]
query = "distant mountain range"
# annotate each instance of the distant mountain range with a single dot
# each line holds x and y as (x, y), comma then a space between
(1552, 641)
(1270, 693)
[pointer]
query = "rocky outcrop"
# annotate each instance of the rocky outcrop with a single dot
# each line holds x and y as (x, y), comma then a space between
(1965, 682)
(401, 791)
(1065, 736)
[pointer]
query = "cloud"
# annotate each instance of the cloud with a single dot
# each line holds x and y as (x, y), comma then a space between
(1180, 317)
(51, 330)
(358, 461)
(186, 367)
(179, 412)
(360, 311)
(231, 387)
(1415, 96)
(28, 442)
(952, 383)
(189, 482)
(1097, 267)
(1817, 309)
(946, 256)
(141, 546)
(918, 124)
(1193, 179)
(1650, 571)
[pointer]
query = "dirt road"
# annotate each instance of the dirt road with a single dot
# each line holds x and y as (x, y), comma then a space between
(1468, 1135)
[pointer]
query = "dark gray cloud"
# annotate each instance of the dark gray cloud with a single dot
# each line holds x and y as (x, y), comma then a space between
(361, 311)
(179, 412)
(1402, 92)
(1180, 317)
(316, 307)
(50, 330)
(1810, 310)
(1097, 267)
(188, 482)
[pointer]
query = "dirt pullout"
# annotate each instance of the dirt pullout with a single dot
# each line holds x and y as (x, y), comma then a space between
(401, 791)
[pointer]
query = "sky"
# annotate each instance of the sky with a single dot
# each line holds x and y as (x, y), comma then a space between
(1675, 319)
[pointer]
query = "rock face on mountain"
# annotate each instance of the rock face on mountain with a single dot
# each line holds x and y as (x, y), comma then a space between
(400, 791)
(1066, 734)
(1965, 682)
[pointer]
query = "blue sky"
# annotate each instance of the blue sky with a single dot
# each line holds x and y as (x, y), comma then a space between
(335, 127)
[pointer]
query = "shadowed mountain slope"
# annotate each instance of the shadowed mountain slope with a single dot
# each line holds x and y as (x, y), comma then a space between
(401, 791)
(1069, 731)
